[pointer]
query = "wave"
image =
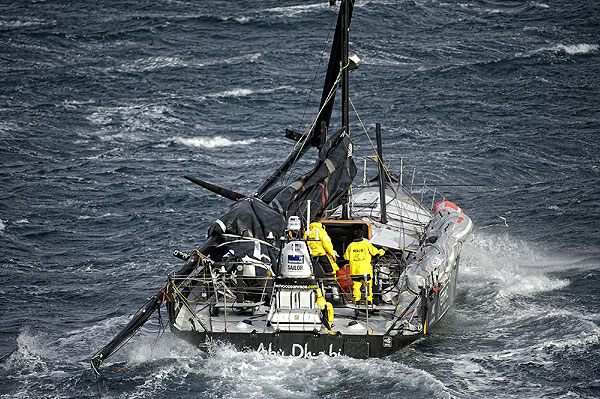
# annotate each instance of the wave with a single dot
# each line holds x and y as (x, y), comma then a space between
(241, 92)
(153, 63)
(232, 93)
(583, 48)
(539, 5)
(291, 11)
(24, 23)
(30, 356)
(256, 374)
(210, 142)
(571, 49)
(136, 117)
(163, 62)
(513, 267)
(226, 372)
(240, 20)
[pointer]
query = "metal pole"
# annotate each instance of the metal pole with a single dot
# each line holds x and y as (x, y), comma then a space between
(401, 171)
(382, 178)
(345, 93)
(365, 275)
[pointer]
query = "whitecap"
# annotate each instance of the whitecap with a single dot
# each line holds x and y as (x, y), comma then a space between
(233, 93)
(2, 225)
(571, 49)
(30, 357)
(242, 92)
(583, 48)
(291, 11)
(250, 57)
(133, 118)
(24, 23)
(242, 20)
(153, 63)
(210, 142)
(581, 342)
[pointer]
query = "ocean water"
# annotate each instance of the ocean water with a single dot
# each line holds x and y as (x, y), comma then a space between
(105, 105)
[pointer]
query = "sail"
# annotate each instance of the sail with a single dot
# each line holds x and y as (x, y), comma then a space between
(324, 184)
(333, 69)
(244, 231)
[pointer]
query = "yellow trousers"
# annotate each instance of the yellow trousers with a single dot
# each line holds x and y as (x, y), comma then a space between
(357, 289)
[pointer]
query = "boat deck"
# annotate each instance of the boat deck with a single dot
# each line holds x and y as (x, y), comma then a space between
(232, 318)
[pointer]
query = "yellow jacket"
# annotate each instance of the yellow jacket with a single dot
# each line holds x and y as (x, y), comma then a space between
(359, 255)
(322, 244)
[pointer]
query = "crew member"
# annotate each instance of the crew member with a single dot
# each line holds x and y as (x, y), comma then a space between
(321, 248)
(359, 254)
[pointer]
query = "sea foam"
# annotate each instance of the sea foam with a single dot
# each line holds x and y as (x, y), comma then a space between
(210, 142)
(29, 357)
(583, 48)
(515, 267)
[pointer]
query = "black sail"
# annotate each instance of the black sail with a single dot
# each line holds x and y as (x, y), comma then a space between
(333, 69)
(255, 220)
(314, 138)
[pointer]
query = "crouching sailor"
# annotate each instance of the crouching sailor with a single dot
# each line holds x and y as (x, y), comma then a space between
(321, 248)
(359, 254)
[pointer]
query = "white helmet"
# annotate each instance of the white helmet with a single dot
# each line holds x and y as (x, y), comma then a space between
(294, 223)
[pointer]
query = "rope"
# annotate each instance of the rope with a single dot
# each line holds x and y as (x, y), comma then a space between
(344, 67)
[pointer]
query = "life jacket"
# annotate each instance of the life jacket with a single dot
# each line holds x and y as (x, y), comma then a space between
(344, 279)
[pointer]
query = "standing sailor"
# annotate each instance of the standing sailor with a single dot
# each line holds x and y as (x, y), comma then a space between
(321, 249)
(359, 254)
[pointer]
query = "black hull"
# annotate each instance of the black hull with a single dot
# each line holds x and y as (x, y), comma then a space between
(304, 345)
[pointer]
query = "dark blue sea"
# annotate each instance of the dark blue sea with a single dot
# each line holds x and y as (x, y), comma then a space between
(105, 105)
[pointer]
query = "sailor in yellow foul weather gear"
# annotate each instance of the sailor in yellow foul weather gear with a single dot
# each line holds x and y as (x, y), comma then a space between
(359, 254)
(321, 249)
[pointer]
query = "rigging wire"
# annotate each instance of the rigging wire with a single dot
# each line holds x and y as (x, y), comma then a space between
(385, 169)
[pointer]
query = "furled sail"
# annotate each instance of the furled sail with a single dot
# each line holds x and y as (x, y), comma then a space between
(333, 70)
(244, 231)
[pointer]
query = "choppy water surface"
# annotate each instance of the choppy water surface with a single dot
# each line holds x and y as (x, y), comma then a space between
(105, 105)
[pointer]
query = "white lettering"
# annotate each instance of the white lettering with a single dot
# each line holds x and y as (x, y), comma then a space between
(307, 353)
(332, 353)
(300, 348)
